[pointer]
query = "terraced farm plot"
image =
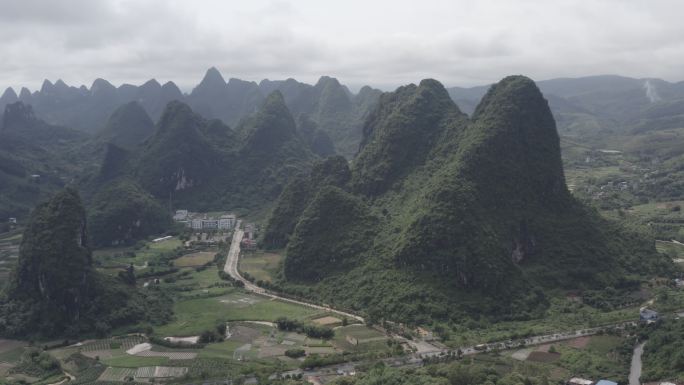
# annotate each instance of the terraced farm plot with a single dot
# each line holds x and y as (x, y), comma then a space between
(117, 374)
(169, 355)
(123, 343)
(160, 372)
(128, 361)
(194, 259)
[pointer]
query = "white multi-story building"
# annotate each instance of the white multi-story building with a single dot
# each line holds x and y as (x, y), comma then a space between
(204, 222)
(226, 222)
(210, 224)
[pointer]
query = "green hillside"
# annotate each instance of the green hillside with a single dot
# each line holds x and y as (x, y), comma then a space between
(445, 215)
(54, 289)
(128, 126)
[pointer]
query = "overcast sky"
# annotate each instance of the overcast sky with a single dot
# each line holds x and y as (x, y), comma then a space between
(381, 43)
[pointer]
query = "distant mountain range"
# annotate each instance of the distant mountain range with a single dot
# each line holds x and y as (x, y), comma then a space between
(335, 110)
(439, 213)
(594, 105)
(599, 105)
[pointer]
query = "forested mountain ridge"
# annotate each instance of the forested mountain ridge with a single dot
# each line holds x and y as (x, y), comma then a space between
(337, 112)
(194, 163)
(54, 289)
(36, 159)
(443, 213)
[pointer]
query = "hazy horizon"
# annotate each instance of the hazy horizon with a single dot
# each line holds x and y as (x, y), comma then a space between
(383, 44)
(187, 89)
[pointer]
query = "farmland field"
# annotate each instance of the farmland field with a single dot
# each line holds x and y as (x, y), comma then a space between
(128, 361)
(194, 259)
(359, 332)
(262, 266)
(117, 374)
(223, 349)
(138, 256)
(9, 252)
(193, 316)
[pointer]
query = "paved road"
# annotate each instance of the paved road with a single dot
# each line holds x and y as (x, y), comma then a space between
(635, 367)
(231, 267)
(424, 349)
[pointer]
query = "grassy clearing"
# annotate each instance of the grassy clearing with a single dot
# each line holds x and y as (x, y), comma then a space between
(11, 356)
(359, 332)
(150, 251)
(260, 265)
(194, 316)
(194, 259)
(223, 350)
(574, 175)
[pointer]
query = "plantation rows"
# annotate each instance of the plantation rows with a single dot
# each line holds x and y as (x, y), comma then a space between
(113, 343)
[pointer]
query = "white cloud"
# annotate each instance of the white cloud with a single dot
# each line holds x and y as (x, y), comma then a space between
(382, 42)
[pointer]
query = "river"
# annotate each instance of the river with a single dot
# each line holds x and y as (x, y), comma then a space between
(635, 368)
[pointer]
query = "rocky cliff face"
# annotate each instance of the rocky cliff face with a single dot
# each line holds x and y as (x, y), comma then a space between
(54, 269)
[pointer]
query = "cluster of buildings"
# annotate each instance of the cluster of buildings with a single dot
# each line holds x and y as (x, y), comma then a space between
(249, 240)
(197, 221)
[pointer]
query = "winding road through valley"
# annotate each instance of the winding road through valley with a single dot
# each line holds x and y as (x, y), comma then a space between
(422, 348)
(231, 268)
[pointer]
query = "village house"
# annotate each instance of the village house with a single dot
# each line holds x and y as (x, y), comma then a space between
(648, 315)
(248, 244)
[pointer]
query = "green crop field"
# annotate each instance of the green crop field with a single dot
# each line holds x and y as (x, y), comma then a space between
(194, 316)
(359, 332)
(262, 266)
(128, 361)
(194, 259)
(137, 256)
(223, 349)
